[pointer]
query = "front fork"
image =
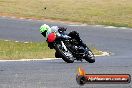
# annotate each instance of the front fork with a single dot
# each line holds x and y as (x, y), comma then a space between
(63, 45)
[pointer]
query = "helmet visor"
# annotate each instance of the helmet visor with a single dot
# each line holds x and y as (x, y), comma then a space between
(44, 33)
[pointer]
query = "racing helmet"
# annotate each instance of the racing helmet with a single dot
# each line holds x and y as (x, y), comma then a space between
(44, 29)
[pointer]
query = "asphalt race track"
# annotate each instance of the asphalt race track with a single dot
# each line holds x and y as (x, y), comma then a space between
(57, 73)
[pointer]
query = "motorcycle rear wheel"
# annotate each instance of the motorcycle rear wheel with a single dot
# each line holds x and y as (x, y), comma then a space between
(90, 57)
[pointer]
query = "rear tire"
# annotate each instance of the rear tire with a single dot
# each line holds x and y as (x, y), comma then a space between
(62, 55)
(90, 57)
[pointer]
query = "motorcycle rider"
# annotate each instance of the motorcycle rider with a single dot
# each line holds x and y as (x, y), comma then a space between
(46, 30)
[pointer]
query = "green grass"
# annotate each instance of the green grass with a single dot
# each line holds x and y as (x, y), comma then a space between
(19, 50)
(106, 12)
(10, 50)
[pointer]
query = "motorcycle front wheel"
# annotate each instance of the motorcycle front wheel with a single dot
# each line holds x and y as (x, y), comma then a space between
(65, 55)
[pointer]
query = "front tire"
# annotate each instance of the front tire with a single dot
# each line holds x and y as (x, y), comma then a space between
(57, 55)
(61, 53)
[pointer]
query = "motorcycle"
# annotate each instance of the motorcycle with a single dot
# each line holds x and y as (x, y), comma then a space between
(68, 48)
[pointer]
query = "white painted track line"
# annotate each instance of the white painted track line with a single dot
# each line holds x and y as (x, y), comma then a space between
(29, 60)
